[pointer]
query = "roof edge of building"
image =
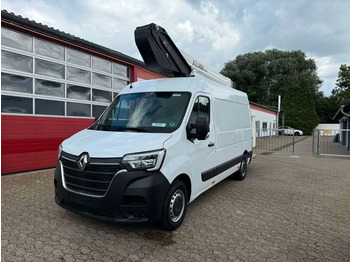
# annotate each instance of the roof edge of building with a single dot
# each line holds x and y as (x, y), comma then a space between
(346, 106)
(271, 108)
(5, 15)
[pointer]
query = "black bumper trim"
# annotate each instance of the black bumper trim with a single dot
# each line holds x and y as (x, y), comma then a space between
(132, 197)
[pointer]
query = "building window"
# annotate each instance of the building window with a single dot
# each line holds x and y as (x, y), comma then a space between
(49, 49)
(119, 84)
(51, 79)
(78, 58)
(17, 62)
(46, 68)
(97, 110)
(101, 96)
(101, 80)
(101, 64)
(264, 126)
(75, 109)
(120, 70)
(78, 92)
(17, 105)
(16, 83)
(257, 125)
(78, 75)
(16, 40)
(48, 107)
(49, 88)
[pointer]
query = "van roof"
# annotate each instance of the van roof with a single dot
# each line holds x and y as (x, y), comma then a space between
(193, 84)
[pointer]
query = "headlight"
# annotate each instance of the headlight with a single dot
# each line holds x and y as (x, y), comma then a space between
(150, 161)
(60, 149)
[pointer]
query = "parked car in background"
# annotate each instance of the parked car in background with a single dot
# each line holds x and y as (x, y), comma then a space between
(287, 130)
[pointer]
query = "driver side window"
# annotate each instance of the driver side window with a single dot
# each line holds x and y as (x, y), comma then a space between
(198, 124)
(201, 108)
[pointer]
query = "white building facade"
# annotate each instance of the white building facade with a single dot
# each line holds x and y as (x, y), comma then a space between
(264, 121)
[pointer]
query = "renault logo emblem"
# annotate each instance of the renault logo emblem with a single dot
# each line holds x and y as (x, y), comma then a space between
(83, 161)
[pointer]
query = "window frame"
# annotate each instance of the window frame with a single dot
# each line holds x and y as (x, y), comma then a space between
(264, 126)
(113, 76)
(194, 102)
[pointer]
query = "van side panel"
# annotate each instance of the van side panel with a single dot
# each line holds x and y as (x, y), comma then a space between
(233, 132)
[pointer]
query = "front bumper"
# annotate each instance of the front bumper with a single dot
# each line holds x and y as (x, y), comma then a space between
(132, 197)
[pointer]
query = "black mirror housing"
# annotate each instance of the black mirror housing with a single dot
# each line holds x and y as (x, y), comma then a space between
(198, 130)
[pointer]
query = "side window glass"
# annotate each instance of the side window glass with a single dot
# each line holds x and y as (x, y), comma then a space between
(201, 108)
(204, 107)
(194, 113)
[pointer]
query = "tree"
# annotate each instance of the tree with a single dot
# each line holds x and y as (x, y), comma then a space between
(342, 89)
(301, 109)
(265, 75)
(326, 107)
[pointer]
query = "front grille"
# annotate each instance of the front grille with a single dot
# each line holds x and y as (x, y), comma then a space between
(96, 177)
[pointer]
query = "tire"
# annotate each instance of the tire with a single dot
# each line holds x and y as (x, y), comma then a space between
(297, 134)
(175, 206)
(242, 172)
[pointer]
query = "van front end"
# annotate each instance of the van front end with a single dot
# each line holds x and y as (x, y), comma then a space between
(112, 189)
(116, 171)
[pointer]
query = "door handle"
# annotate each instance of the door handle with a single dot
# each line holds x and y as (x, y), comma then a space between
(210, 144)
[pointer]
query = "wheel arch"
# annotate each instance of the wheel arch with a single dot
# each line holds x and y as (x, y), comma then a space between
(184, 178)
(246, 154)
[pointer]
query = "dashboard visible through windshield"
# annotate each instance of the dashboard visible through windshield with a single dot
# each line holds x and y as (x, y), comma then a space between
(155, 112)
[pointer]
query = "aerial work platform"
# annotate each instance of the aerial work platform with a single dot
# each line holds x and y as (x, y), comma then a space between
(160, 54)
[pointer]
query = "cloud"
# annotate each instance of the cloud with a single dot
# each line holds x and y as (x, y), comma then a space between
(209, 10)
(214, 31)
(186, 32)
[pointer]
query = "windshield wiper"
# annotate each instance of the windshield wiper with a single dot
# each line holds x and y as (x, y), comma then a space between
(134, 129)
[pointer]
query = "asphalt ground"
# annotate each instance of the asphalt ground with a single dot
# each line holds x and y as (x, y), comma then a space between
(287, 209)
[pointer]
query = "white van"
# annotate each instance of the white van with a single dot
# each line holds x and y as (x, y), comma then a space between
(158, 146)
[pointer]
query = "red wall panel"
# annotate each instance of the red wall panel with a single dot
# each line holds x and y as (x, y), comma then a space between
(144, 74)
(31, 142)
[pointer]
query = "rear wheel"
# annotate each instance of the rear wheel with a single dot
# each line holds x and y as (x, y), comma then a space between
(175, 206)
(242, 172)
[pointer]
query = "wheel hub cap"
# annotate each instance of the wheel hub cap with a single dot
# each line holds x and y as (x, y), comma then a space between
(177, 206)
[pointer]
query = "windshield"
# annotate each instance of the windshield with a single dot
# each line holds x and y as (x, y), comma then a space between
(156, 112)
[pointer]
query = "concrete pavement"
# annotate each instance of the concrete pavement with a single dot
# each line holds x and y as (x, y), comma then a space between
(287, 209)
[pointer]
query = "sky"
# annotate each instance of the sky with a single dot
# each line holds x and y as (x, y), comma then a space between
(213, 31)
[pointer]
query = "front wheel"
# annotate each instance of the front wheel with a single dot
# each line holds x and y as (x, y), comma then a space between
(242, 172)
(175, 206)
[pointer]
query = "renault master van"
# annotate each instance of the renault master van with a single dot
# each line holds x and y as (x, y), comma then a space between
(156, 148)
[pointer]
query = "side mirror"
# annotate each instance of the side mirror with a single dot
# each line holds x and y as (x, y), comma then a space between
(198, 130)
